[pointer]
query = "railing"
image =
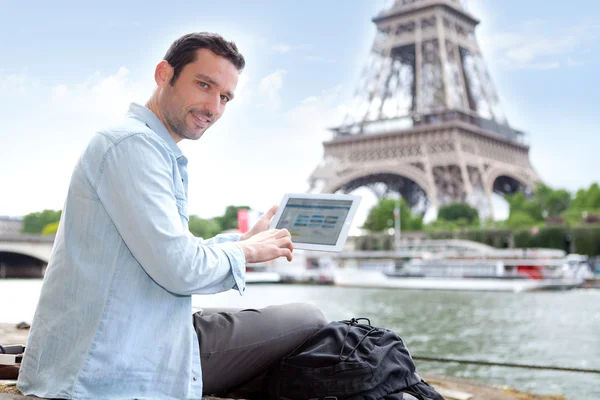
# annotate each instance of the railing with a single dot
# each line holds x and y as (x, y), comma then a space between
(29, 238)
(399, 124)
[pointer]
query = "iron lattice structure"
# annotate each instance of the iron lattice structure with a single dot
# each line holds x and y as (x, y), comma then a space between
(426, 121)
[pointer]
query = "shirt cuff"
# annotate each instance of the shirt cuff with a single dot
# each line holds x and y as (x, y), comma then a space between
(228, 237)
(237, 261)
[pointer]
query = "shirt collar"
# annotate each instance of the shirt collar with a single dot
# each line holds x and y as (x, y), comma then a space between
(145, 115)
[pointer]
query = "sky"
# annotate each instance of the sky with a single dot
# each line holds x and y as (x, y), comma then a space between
(69, 68)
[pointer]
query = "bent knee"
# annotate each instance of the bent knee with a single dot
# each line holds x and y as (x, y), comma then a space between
(311, 315)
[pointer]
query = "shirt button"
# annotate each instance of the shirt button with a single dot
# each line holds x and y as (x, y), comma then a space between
(194, 378)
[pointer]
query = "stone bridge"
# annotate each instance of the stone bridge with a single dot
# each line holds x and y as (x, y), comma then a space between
(24, 255)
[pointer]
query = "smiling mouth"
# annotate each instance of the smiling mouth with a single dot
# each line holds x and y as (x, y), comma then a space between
(201, 120)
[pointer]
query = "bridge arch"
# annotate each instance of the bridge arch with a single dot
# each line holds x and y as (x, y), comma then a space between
(409, 181)
(37, 251)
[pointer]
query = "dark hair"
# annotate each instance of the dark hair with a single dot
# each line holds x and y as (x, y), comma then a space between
(183, 51)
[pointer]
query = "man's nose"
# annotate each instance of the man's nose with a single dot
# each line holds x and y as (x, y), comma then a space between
(213, 105)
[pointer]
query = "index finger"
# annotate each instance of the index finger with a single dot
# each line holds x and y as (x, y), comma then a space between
(272, 211)
(284, 232)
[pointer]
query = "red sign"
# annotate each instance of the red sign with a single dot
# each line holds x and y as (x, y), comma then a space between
(242, 217)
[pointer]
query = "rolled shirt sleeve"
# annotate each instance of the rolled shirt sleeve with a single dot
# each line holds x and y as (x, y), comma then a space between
(136, 187)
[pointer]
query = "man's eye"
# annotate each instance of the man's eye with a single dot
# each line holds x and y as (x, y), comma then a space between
(203, 85)
(224, 99)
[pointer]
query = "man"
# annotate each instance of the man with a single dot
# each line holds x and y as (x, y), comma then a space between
(114, 315)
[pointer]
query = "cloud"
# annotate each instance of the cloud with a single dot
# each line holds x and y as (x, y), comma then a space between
(531, 44)
(531, 50)
(296, 144)
(100, 96)
(269, 88)
(66, 115)
(261, 154)
(59, 91)
(574, 63)
(243, 91)
(542, 65)
(319, 59)
(317, 113)
(281, 48)
(286, 48)
(17, 82)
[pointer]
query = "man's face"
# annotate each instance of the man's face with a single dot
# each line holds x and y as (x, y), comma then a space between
(199, 96)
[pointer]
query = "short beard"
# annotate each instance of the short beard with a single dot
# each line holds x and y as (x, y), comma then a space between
(178, 125)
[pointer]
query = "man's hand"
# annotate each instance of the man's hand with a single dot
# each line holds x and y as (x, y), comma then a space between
(267, 245)
(261, 225)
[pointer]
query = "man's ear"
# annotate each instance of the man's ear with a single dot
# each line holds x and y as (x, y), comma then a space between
(163, 74)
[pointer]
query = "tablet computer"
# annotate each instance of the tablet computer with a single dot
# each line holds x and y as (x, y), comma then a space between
(316, 221)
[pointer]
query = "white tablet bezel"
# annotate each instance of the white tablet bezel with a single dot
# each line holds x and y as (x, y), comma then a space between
(345, 228)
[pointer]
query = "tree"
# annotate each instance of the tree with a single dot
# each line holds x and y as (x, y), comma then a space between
(544, 203)
(229, 219)
(35, 222)
(381, 217)
(520, 220)
(455, 212)
(552, 202)
(50, 229)
(518, 203)
(204, 228)
(589, 199)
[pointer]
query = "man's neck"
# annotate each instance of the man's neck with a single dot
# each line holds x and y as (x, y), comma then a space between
(153, 106)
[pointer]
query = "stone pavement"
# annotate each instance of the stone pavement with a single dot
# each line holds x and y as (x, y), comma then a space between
(450, 388)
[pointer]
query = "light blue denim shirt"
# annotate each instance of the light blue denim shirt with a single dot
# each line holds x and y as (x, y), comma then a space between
(114, 318)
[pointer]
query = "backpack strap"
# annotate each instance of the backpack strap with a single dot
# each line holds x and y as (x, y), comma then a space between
(350, 323)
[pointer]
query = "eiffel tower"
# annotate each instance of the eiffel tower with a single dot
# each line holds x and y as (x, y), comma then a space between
(426, 122)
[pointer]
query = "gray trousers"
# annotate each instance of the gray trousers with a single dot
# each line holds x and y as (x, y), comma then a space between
(238, 346)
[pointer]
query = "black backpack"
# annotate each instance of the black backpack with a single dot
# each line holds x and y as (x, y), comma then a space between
(351, 361)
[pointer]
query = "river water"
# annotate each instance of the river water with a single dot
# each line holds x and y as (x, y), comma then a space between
(545, 328)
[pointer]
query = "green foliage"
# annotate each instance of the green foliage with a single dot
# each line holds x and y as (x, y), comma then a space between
(493, 237)
(229, 219)
(552, 237)
(50, 229)
(207, 228)
(586, 240)
(518, 203)
(552, 202)
(500, 238)
(375, 241)
(546, 203)
(586, 200)
(525, 213)
(572, 216)
(441, 225)
(381, 217)
(523, 238)
(204, 228)
(461, 213)
(35, 222)
(520, 219)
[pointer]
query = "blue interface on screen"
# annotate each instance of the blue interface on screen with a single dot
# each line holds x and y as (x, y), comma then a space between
(314, 221)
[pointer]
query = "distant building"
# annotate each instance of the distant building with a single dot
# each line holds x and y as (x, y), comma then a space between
(10, 225)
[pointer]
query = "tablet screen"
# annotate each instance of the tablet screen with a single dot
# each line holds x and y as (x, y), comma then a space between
(315, 221)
